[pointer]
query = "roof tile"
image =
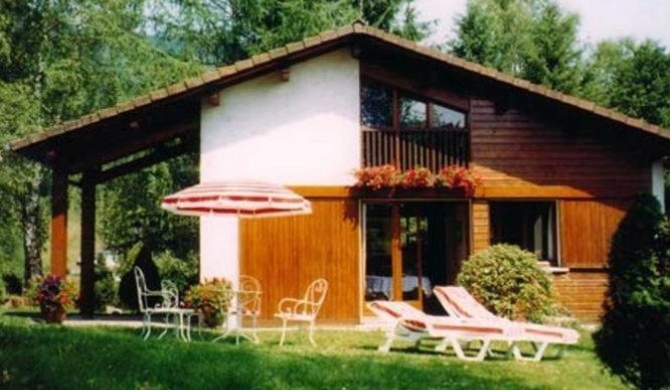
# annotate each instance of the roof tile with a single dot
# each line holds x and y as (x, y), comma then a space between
(346, 30)
(327, 36)
(124, 106)
(312, 41)
(277, 53)
(359, 28)
(210, 76)
(158, 94)
(194, 82)
(142, 100)
(294, 47)
(260, 59)
(176, 88)
(225, 71)
(243, 65)
(107, 112)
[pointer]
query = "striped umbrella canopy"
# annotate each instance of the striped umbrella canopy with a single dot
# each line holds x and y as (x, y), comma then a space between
(244, 199)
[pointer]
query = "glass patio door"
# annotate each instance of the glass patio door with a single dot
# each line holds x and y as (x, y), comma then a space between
(405, 250)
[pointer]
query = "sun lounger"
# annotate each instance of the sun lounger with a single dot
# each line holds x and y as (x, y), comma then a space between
(458, 303)
(411, 324)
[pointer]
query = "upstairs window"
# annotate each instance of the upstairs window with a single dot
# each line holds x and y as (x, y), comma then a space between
(376, 106)
(385, 108)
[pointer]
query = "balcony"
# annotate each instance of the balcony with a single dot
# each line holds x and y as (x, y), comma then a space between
(430, 148)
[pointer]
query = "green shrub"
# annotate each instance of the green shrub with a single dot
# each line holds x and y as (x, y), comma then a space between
(140, 256)
(105, 285)
(182, 272)
(507, 280)
(634, 340)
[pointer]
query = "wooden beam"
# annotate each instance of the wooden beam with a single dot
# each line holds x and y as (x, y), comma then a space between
(87, 281)
(59, 223)
(91, 160)
(531, 191)
(158, 155)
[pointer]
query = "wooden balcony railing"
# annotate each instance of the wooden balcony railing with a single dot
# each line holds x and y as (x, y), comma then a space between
(406, 149)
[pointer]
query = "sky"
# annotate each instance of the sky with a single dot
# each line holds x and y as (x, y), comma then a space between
(600, 19)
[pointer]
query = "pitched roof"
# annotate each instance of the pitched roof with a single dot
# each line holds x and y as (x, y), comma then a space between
(214, 80)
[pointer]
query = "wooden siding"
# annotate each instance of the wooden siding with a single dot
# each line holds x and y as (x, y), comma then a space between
(515, 149)
(582, 293)
(586, 229)
(481, 227)
(286, 254)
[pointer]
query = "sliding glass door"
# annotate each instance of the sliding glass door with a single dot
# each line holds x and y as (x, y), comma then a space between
(411, 246)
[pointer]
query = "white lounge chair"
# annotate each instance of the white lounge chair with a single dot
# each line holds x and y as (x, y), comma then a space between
(303, 310)
(411, 324)
(458, 303)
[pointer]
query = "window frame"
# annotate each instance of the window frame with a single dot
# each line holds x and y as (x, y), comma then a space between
(553, 222)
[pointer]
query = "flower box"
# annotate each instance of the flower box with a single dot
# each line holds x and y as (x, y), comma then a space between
(388, 182)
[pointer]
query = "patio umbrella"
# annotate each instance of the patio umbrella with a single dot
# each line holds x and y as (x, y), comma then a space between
(244, 199)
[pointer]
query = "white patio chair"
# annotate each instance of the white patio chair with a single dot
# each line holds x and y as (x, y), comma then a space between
(303, 310)
(247, 303)
(167, 303)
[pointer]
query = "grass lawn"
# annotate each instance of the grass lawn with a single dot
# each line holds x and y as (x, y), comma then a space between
(37, 356)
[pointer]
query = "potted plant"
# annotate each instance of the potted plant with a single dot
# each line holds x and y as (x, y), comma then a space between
(54, 295)
(419, 177)
(386, 178)
(453, 176)
(383, 176)
(211, 298)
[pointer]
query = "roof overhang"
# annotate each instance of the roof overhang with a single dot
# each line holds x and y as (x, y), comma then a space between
(171, 115)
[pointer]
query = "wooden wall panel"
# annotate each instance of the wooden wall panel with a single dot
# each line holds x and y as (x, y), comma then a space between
(515, 149)
(481, 228)
(582, 293)
(286, 254)
(586, 228)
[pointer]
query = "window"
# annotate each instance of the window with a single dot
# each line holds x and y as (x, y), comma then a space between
(376, 105)
(530, 225)
(377, 110)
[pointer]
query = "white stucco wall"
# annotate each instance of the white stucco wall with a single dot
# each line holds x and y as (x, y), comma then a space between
(301, 132)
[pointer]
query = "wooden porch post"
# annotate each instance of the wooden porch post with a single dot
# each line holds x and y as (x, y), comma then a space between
(87, 251)
(59, 223)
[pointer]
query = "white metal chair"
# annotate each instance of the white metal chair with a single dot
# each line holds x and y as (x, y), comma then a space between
(161, 302)
(246, 303)
(303, 310)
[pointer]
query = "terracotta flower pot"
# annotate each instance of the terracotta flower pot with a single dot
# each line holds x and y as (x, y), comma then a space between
(53, 314)
(211, 317)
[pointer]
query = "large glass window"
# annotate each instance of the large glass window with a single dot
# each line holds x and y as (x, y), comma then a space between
(413, 114)
(445, 118)
(376, 105)
(530, 225)
(379, 101)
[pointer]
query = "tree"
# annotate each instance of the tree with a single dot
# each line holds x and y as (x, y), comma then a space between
(132, 213)
(554, 59)
(641, 84)
(602, 64)
(531, 39)
(634, 340)
(495, 33)
(21, 186)
(216, 32)
(59, 60)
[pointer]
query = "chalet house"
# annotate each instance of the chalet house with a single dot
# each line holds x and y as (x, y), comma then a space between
(558, 173)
